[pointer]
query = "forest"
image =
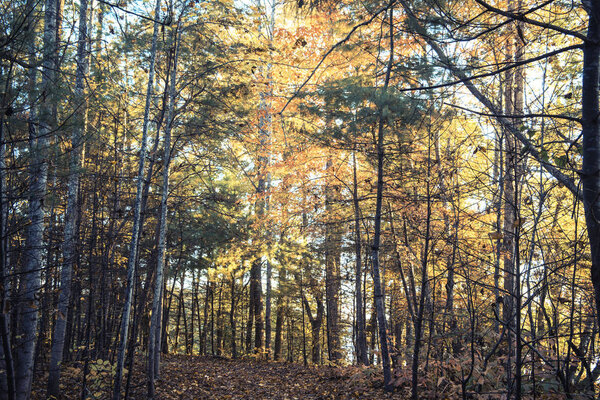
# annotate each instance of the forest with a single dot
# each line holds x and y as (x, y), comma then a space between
(299, 199)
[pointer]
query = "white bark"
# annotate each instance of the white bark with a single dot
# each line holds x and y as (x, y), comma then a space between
(70, 241)
(38, 174)
(135, 234)
(155, 324)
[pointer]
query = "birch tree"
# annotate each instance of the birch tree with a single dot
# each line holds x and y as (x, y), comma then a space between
(38, 174)
(137, 206)
(157, 302)
(70, 235)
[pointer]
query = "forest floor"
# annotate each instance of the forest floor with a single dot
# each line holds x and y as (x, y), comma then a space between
(192, 377)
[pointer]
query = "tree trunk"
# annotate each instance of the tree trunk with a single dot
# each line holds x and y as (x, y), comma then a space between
(251, 308)
(268, 309)
(333, 243)
(361, 337)
(377, 291)
(7, 378)
(316, 323)
(38, 174)
(220, 320)
(280, 314)
(232, 317)
(203, 342)
(135, 235)
(590, 124)
(256, 304)
(72, 211)
(186, 335)
(154, 340)
(258, 307)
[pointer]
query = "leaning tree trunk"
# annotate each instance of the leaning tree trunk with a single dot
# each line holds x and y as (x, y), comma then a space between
(316, 323)
(71, 214)
(155, 326)
(135, 234)
(38, 174)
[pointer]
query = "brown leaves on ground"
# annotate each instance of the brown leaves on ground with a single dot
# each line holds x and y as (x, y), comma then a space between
(187, 377)
(193, 377)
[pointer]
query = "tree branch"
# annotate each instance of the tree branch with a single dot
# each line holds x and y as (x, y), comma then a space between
(568, 182)
(335, 46)
(523, 18)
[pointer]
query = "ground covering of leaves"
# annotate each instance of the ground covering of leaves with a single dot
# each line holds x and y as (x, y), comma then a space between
(210, 378)
(193, 377)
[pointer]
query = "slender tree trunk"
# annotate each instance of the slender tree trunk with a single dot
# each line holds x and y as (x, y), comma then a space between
(361, 337)
(7, 379)
(155, 323)
(422, 299)
(232, 317)
(304, 358)
(186, 335)
(591, 144)
(518, 171)
(192, 312)
(167, 310)
(251, 308)
(509, 207)
(256, 306)
(268, 309)
(377, 290)
(333, 243)
(72, 211)
(212, 323)
(135, 235)
(280, 314)
(203, 344)
(220, 320)
(38, 174)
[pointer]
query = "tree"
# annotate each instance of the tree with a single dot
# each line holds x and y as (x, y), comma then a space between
(155, 327)
(377, 287)
(70, 241)
(135, 234)
(38, 174)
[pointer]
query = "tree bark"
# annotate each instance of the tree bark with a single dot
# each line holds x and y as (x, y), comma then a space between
(72, 211)
(590, 174)
(333, 243)
(232, 317)
(377, 290)
(154, 340)
(135, 235)
(280, 314)
(7, 378)
(38, 174)
(316, 323)
(361, 337)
